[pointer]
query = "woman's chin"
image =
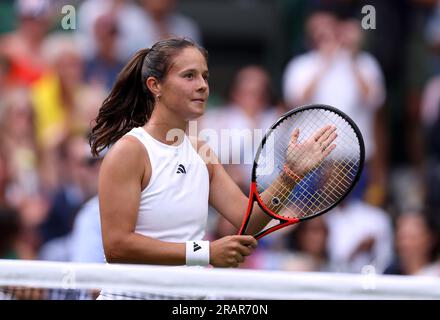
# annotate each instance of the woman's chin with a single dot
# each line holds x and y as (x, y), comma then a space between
(196, 113)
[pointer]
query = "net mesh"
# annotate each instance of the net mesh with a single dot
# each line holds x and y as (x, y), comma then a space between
(325, 183)
(54, 280)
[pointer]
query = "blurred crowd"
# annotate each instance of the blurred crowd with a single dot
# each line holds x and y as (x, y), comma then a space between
(52, 83)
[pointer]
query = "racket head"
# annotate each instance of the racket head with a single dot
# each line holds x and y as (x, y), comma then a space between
(326, 185)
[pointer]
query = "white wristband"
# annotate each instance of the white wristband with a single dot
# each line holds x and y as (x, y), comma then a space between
(197, 253)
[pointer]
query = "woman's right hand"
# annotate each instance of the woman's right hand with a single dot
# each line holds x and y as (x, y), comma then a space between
(230, 251)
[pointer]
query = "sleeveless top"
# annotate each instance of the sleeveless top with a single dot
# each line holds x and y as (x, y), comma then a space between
(174, 205)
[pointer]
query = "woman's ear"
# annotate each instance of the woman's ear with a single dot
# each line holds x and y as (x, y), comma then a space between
(154, 86)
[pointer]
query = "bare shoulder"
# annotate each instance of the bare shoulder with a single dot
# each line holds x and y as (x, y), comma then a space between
(126, 156)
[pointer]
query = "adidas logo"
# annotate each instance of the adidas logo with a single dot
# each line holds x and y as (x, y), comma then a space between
(196, 247)
(181, 169)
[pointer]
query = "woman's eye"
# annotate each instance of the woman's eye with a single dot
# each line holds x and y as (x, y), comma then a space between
(189, 76)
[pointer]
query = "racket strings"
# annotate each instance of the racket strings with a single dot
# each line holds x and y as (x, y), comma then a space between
(323, 185)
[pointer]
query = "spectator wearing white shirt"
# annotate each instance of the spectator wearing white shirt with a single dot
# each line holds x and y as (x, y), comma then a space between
(86, 239)
(336, 72)
(359, 235)
(162, 21)
(129, 19)
(139, 25)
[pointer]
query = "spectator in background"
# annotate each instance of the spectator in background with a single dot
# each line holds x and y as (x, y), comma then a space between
(55, 94)
(416, 246)
(138, 26)
(91, 98)
(17, 140)
(103, 67)
(33, 211)
(359, 235)
(162, 21)
(338, 73)
(128, 16)
(86, 238)
(302, 247)
(83, 241)
(308, 241)
(76, 188)
(27, 215)
(56, 98)
(22, 48)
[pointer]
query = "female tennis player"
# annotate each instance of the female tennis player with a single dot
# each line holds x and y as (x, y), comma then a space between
(154, 193)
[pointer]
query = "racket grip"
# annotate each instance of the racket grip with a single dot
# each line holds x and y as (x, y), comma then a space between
(246, 216)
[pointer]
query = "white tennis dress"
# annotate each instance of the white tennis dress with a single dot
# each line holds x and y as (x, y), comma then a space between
(174, 205)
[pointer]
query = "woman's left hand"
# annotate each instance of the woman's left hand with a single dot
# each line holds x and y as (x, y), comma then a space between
(303, 157)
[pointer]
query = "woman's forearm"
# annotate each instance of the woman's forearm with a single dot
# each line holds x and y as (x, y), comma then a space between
(280, 189)
(136, 248)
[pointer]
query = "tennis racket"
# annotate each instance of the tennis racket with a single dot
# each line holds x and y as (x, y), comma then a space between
(306, 164)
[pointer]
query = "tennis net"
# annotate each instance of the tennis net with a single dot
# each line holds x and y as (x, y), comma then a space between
(22, 279)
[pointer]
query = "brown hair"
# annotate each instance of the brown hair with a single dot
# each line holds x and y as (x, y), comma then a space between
(130, 103)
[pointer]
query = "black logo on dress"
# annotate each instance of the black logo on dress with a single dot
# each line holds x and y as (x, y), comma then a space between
(196, 247)
(181, 169)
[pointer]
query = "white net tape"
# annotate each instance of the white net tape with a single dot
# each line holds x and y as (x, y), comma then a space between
(141, 281)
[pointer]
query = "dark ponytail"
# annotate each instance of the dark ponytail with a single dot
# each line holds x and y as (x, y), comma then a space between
(130, 103)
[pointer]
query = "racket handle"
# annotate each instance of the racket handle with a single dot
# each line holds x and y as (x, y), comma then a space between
(249, 208)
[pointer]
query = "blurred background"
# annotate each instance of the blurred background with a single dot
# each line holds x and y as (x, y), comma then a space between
(266, 57)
